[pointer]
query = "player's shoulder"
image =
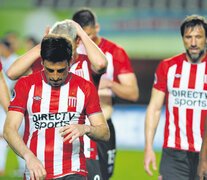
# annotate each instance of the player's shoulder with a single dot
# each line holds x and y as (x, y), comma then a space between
(110, 45)
(81, 81)
(173, 60)
(32, 78)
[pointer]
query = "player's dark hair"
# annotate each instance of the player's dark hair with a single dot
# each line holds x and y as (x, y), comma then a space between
(6, 43)
(192, 21)
(85, 17)
(56, 48)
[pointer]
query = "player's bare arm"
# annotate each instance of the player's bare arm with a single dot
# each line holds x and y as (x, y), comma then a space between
(97, 130)
(126, 89)
(151, 122)
(12, 124)
(22, 66)
(106, 102)
(95, 55)
(4, 95)
(202, 167)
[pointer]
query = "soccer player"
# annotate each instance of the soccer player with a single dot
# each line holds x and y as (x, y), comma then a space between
(118, 80)
(182, 79)
(55, 103)
(4, 102)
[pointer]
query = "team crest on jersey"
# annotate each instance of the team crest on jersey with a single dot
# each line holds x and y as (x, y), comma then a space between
(72, 101)
(13, 95)
(205, 79)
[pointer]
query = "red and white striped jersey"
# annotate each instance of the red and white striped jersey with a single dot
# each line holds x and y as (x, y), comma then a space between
(185, 85)
(46, 110)
(82, 68)
(118, 61)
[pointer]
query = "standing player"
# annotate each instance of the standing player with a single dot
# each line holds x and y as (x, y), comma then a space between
(55, 103)
(90, 67)
(182, 79)
(4, 102)
(119, 80)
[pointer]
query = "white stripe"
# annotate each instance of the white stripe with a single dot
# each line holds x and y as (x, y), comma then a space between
(87, 142)
(85, 70)
(29, 109)
(109, 74)
(182, 125)
(75, 159)
(73, 67)
(197, 112)
(171, 76)
(185, 75)
(182, 110)
(81, 100)
(44, 108)
(58, 141)
(196, 129)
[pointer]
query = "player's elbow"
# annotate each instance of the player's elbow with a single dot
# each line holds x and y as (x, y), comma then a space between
(102, 66)
(106, 136)
(11, 74)
(6, 132)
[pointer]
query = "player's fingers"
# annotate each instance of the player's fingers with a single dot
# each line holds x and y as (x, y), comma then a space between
(31, 175)
(147, 169)
(154, 165)
(47, 31)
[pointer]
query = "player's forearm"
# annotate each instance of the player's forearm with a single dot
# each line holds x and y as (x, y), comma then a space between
(130, 93)
(100, 132)
(203, 153)
(4, 95)
(23, 63)
(16, 142)
(151, 123)
(96, 56)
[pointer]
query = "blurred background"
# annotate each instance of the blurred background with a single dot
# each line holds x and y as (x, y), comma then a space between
(147, 29)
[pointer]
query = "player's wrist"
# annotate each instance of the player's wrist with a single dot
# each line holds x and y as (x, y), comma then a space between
(87, 129)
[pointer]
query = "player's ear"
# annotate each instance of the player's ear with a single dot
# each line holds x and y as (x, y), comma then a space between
(97, 28)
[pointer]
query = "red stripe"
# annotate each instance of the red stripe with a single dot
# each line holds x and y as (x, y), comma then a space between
(202, 124)
(82, 156)
(37, 98)
(177, 128)
(192, 77)
(205, 77)
(54, 100)
(177, 77)
(49, 150)
(33, 143)
(189, 128)
(67, 152)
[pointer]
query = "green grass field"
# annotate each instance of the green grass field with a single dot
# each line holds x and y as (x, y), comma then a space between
(129, 166)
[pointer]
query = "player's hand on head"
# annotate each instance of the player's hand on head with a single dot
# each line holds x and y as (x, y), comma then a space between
(72, 132)
(36, 168)
(149, 158)
(47, 31)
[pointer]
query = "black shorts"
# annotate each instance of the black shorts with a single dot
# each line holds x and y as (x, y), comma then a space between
(72, 177)
(107, 153)
(178, 164)
(93, 168)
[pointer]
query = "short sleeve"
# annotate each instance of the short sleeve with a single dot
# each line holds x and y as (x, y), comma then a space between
(160, 79)
(19, 97)
(92, 101)
(122, 62)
